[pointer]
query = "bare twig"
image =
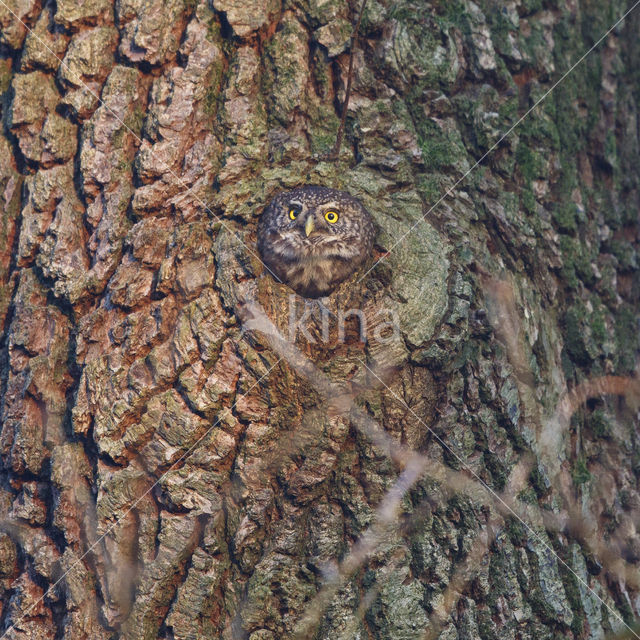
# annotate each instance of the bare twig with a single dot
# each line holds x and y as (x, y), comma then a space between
(414, 466)
(333, 155)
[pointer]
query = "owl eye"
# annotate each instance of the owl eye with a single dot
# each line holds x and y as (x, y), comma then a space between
(331, 216)
(294, 210)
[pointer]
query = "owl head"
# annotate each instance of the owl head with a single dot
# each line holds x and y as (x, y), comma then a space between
(312, 238)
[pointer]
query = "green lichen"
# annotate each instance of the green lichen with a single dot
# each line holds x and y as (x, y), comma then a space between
(575, 129)
(323, 129)
(135, 119)
(625, 253)
(598, 321)
(6, 74)
(577, 260)
(501, 26)
(528, 496)
(599, 425)
(627, 339)
(564, 215)
(580, 472)
(440, 150)
(284, 80)
(452, 14)
(571, 586)
(499, 471)
(574, 337)
(531, 166)
(540, 128)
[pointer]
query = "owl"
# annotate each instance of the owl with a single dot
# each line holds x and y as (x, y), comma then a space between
(313, 238)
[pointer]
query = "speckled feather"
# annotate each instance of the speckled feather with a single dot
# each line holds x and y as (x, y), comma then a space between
(314, 265)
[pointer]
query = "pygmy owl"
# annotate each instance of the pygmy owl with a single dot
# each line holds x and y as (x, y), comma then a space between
(313, 238)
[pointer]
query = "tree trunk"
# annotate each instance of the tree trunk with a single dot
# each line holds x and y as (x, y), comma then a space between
(172, 467)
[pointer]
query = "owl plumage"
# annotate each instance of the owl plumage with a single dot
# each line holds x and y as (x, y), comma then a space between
(313, 238)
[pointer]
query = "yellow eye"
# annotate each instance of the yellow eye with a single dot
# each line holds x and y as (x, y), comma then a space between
(331, 216)
(293, 214)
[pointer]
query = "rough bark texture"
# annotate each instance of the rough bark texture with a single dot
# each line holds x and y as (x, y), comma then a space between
(140, 142)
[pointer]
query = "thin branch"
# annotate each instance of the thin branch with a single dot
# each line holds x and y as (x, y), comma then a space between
(333, 155)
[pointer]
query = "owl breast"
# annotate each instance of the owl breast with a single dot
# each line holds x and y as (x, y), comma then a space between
(313, 238)
(312, 278)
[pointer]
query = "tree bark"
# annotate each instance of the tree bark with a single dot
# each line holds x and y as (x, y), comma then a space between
(172, 467)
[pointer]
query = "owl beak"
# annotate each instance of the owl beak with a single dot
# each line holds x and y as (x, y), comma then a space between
(309, 226)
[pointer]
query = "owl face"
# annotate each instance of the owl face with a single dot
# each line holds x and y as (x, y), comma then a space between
(312, 238)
